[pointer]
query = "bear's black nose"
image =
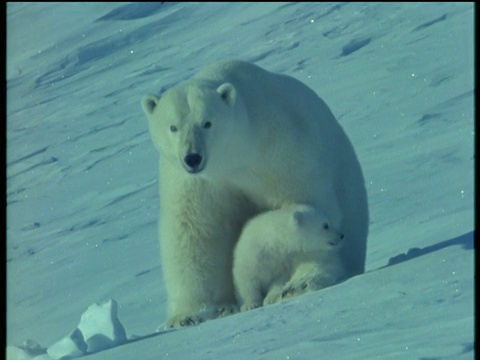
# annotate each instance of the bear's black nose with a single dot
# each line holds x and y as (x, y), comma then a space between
(193, 160)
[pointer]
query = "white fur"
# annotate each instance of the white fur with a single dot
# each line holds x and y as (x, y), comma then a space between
(236, 140)
(272, 246)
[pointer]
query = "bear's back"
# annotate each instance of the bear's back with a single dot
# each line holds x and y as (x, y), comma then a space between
(259, 85)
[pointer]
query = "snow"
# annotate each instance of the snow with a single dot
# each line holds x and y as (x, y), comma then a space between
(82, 201)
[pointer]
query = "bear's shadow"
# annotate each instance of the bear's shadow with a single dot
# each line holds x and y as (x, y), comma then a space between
(466, 240)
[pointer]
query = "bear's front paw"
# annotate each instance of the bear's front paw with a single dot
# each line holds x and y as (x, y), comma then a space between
(191, 320)
(249, 306)
(274, 295)
(226, 310)
(183, 321)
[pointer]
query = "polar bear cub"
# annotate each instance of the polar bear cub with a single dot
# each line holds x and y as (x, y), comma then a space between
(273, 246)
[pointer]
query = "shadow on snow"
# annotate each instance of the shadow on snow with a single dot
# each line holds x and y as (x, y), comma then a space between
(467, 241)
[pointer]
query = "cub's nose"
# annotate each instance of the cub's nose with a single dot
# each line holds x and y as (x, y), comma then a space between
(193, 160)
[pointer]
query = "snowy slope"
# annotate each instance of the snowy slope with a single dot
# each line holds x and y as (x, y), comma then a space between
(82, 200)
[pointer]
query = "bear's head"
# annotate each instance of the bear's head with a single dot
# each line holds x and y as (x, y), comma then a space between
(196, 124)
(312, 224)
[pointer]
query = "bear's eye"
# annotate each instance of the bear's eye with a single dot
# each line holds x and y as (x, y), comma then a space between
(207, 125)
(325, 226)
(173, 128)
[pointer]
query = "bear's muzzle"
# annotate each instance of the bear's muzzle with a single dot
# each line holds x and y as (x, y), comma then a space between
(193, 163)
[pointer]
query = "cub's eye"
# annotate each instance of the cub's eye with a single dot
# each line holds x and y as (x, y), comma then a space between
(173, 128)
(325, 226)
(207, 125)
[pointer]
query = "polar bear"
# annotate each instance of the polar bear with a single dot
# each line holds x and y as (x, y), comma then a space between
(236, 140)
(273, 244)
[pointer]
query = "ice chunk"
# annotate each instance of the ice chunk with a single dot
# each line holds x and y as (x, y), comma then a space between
(33, 348)
(15, 353)
(29, 350)
(69, 347)
(101, 327)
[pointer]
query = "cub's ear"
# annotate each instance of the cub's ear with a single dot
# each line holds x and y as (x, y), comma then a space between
(227, 93)
(298, 218)
(148, 104)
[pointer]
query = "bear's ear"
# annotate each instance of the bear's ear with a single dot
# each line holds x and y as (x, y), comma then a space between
(298, 218)
(227, 93)
(148, 104)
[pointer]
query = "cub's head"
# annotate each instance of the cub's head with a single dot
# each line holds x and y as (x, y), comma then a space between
(312, 224)
(194, 125)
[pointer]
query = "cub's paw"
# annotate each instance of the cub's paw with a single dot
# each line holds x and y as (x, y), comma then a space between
(298, 288)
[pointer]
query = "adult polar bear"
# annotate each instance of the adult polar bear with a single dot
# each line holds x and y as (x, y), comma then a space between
(236, 140)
